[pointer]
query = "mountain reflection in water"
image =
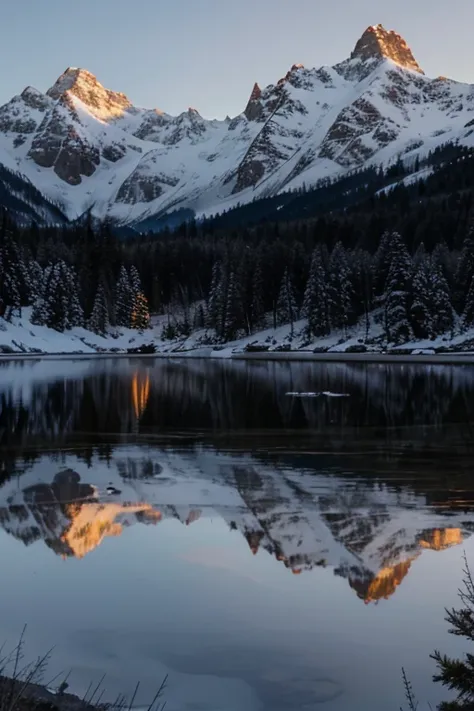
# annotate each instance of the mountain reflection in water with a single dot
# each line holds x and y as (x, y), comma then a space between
(363, 490)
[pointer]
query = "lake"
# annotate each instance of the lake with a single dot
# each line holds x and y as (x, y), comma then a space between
(204, 520)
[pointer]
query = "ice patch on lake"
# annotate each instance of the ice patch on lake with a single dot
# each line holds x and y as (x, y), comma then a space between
(323, 394)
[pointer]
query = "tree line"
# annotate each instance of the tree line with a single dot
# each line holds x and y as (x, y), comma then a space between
(237, 282)
(80, 282)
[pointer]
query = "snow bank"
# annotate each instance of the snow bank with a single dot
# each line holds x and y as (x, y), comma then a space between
(20, 336)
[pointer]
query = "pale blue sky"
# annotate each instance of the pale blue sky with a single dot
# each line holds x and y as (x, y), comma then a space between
(173, 54)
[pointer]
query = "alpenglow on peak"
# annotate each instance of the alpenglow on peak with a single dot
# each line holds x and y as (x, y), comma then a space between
(103, 103)
(379, 43)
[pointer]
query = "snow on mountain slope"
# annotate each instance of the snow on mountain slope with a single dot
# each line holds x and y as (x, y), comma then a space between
(87, 147)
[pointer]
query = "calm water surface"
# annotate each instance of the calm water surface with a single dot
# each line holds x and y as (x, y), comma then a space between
(266, 551)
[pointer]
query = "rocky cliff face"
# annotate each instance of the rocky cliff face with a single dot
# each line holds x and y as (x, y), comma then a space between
(87, 147)
(377, 43)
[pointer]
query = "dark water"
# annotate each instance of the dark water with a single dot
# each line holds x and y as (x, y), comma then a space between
(266, 551)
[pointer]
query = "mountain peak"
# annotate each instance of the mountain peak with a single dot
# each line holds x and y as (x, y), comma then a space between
(379, 43)
(103, 103)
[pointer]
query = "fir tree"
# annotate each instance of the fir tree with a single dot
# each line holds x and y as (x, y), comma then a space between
(287, 311)
(458, 674)
(443, 312)
(258, 302)
(59, 306)
(233, 311)
(389, 243)
(362, 281)
(217, 303)
(75, 311)
(12, 277)
(422, 303)
(339, 289)
(123, 300)
(135, 281)
(315, 303)
(396, 296)
(199, 318)
(464, 272)
(141, 313)
(36, 280)
(99, 320)
(211, 302)
(468, 314)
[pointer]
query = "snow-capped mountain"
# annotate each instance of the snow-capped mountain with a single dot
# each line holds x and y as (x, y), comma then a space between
(86, 147)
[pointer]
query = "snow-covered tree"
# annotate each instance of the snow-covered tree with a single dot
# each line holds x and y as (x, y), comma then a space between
(361, 266)
(258, 303)
(75, 311)
(123, 299)
(464, 272)
(135, 281)
(58, 306)
(199, 318)
(217, 302)
(339, 289)
(141, 312)
(215, 297)
(99, 319)
(315, 303)
(287, 310)
(383, 259)
(422, 302)
(443, 311)
(396, 295)
(233, 310)
(468, 314)
(36, 280)
(14, 280)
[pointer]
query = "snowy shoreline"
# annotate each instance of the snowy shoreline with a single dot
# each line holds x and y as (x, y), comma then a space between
(301, 356)
(22, 340)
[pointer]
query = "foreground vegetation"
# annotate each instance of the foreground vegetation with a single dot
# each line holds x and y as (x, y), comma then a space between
(23, 687)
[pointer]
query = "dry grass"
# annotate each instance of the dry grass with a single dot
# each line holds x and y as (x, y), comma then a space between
(23, 687)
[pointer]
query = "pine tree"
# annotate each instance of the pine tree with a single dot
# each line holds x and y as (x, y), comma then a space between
(458, 674)
(443, 312)
(135, 281)
(287, 310)
(36, 280)
(339, 289)
(199, 318)
(315, 303)
(421, 306)
(214, 303)
(258, 301)
(396, 296)
(468, 314)
(59, 306)
(123, 300)
(75, 312)
(141, 313)
(99, 320)
(217, 303)
(11, 277)
(361, 265)
(233, 311)
(389, 243)
(464, 272)
(39, 314)
(55, 300)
